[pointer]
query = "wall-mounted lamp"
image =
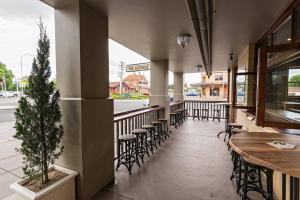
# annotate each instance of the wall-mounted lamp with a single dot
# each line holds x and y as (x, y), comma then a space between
(231, 56)
(184, 39)
(198, 68)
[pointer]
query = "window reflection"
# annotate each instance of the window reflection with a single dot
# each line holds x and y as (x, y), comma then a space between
(283, 35)
(283, 92)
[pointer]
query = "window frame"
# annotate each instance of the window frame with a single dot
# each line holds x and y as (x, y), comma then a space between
(234, 84)
(261, 86)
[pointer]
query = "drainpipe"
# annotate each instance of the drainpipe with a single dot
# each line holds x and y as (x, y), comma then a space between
(201, 11)
(210, 23)
(201, 16)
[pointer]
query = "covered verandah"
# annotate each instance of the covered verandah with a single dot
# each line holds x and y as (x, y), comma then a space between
(82, 31)
(192, 164)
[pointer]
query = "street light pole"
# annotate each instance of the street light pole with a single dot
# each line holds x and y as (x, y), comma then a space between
(122, 66)
(26, 54)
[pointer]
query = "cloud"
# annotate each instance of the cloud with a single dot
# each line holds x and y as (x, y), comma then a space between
(24, 9)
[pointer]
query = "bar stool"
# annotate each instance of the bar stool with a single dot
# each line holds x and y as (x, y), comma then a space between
(151, 142)
(238, 130)
(142, 146)
(230, 127)
(179, 117)
(235, 130)
(158, 134)
(130, 156)
(216, 114)
(204, 114)
(173, 119)
(196, 113)
(227, 108)
(186, 114)
(237, 170)
(252, 180)
(164, 127)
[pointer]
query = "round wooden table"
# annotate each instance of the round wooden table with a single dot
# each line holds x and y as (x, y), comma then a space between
(254, 148)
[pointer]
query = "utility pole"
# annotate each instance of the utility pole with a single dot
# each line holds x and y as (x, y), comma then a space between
(26, 54)
(4, 84)
(121, 73)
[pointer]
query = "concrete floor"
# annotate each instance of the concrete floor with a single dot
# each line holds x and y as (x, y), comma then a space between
(192, 164)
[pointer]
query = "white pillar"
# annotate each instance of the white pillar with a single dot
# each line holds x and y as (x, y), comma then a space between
(159, 85)
(178, 86)
(82, 77)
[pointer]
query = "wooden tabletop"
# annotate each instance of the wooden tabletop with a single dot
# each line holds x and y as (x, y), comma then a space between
(254, 148)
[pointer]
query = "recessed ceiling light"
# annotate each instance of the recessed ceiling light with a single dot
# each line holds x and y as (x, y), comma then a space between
(289, 39)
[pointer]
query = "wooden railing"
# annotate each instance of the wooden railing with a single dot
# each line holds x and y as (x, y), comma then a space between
(210, 105)
(176, 105)
(127, 121)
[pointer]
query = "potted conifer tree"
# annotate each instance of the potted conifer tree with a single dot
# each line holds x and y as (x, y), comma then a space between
(38, 126)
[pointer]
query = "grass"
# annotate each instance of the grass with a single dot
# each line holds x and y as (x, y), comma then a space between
(131, 96)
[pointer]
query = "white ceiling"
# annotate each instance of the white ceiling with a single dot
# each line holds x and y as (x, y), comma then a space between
(150, 28)
(242, 22)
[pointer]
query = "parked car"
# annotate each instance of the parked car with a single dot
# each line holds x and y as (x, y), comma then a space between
(191, 94)
(10, 94)
(240, 94)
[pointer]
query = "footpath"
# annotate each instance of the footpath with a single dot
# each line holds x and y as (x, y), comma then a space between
(10, 160)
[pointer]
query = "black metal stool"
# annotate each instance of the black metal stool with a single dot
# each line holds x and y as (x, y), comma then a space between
(142, 146)
(237, 170)
(173, 120)
(179, 117)
(196, 113)
(227, 108)
(230, 127)
(164, 127)
(128, 152)
(186, 114)
(216, 114)
(151, 141)
(182, 113)
(252, 180)
(204, 114)
(158, 133)
(235, 130)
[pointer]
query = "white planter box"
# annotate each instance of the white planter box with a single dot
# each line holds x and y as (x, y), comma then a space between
(64, 189)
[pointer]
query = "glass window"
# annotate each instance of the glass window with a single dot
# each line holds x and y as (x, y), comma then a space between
(218, 77)
(283, 34)
(282, 102)
(294, 82)
(214, 92)
(245, 90)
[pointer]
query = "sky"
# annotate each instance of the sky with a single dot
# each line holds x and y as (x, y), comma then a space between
(19, 35)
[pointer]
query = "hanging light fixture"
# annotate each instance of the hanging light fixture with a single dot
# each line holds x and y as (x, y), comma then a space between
(184, 39)
(198, 68)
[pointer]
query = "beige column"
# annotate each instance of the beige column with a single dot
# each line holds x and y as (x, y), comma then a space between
(82, 77)
(159, 85)
(178, 87)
